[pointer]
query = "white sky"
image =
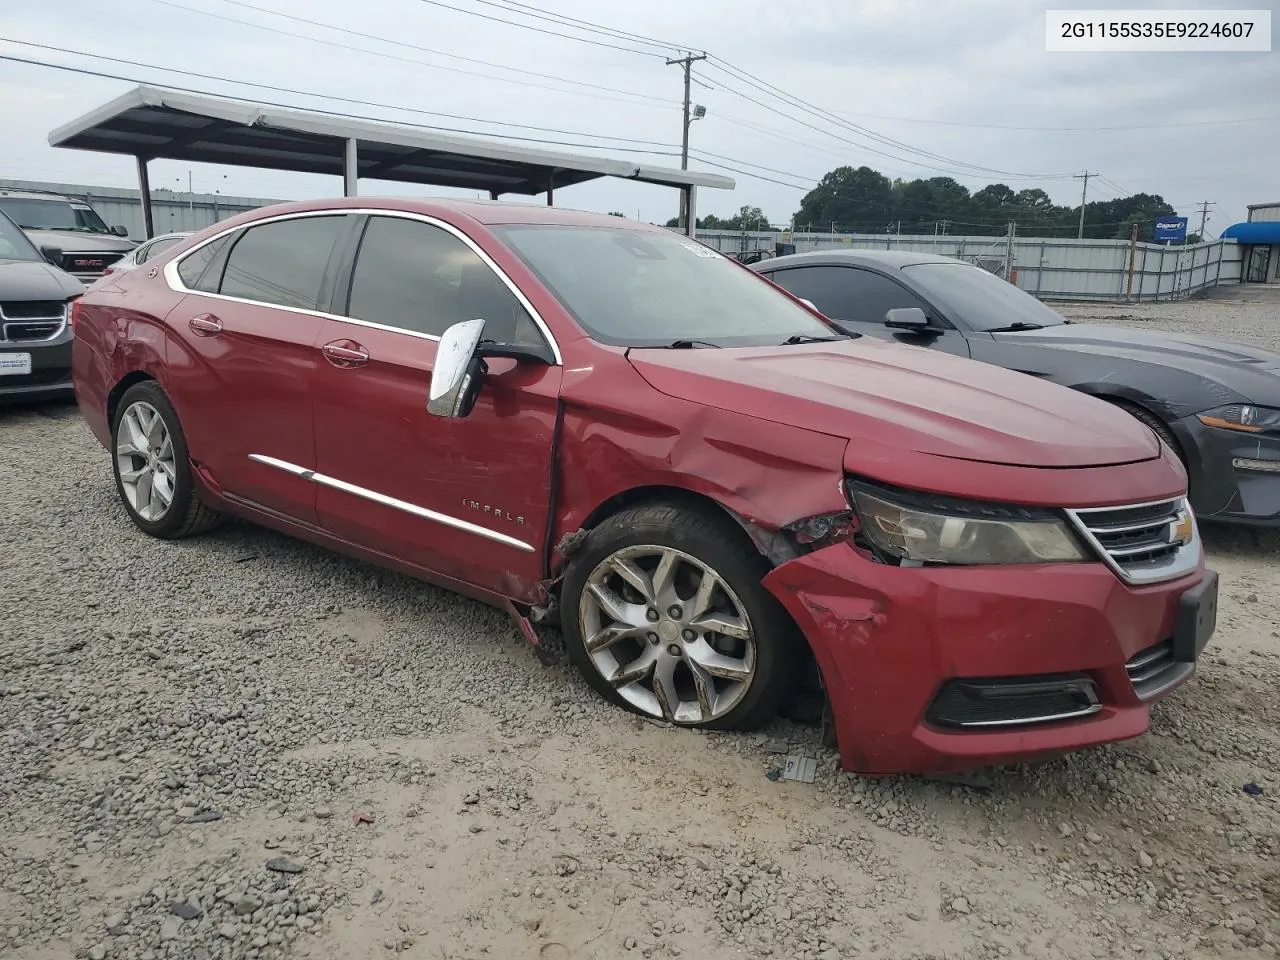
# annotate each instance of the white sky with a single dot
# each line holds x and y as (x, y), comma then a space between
(949, 77)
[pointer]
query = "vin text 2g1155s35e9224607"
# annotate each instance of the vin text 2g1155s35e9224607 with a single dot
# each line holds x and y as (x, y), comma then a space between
(707, 485)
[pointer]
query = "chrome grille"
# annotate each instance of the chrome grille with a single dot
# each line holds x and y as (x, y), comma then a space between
(32, 320)
(1143, 543)
(1153, 671)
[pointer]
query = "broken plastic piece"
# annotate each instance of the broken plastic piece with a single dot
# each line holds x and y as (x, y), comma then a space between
(1252, 789)
(800, 768)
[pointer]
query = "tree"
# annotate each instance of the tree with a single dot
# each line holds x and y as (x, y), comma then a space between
(615, 213)
(860, 200)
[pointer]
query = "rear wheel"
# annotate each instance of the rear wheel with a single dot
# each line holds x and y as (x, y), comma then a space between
(152, 470)
(665, 615)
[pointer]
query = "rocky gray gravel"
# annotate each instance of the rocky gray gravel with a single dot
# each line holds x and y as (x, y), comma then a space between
(241, 746)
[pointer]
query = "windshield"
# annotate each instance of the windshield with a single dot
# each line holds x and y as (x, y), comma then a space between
(633, 288)
(982, 300)
(70, 215)
(14, 244)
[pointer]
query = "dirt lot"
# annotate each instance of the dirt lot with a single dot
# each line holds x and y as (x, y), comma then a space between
(181, 722)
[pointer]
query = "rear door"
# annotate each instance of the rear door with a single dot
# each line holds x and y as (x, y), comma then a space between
(860, 298)
(466, 498)
(245, 354)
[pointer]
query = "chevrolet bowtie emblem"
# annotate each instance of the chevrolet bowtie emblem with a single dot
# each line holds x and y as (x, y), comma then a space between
(1180, 530)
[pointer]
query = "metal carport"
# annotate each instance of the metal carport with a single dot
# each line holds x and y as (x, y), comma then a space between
(150, 123)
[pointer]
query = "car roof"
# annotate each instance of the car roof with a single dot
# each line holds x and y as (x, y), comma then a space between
(488, 212)
(884, 259)
(34, 195)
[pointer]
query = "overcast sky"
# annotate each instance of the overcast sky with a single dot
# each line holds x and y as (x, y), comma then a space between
(967, 82)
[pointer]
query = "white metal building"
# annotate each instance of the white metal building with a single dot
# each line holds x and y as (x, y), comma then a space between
(1259, 239)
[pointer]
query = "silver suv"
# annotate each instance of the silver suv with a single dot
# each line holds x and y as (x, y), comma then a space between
(87, 245)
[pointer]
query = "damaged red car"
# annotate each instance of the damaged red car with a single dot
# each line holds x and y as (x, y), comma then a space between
(609, 427)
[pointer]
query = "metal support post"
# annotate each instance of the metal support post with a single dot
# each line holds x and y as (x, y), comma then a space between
(350, 167)
(144, 189)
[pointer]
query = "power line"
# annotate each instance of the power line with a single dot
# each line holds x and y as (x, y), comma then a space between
(415, 62)
(826, 115)
(587, 25)
(321, 96)
(406, 45)
(529, 26)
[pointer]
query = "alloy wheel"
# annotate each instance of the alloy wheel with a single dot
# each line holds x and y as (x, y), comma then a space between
(668, 634)
(144, 460)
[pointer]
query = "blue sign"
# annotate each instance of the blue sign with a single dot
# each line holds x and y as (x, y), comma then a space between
(1171, 229)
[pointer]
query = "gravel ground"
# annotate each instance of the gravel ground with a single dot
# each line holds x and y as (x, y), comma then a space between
(241, 746)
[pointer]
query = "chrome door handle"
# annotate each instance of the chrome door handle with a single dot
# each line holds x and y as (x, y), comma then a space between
(205, 325)
(345, 353)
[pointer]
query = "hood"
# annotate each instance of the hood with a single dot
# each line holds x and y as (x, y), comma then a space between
(74, 241)
(36, 280)
(908, 397)
(1251, 372)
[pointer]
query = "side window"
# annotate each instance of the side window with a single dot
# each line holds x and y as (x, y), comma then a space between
(418, 277)
(282, 263)
(200, 270)
(847, 293)
(155, 247)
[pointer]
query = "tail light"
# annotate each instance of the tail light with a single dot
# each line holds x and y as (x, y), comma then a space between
(106, 270)
(73, 315)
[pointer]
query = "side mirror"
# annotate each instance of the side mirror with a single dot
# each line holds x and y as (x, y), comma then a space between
(52, 254)
(458, 371)
(907, 318)
(120, 231)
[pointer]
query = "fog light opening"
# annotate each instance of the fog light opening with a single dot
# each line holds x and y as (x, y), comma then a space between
(1258, 466)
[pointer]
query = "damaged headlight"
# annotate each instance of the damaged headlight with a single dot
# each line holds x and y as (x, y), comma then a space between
(1242, 417)
(919, 528)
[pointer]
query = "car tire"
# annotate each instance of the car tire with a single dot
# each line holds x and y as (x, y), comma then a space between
(1155, 423)
(151, 466)
(634, 643)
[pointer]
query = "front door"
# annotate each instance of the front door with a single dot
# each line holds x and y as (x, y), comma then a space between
(467, 498)
(1256, 266)
(243, 370)
(859, 300)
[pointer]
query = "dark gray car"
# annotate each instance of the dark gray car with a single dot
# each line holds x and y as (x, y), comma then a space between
(35, 333)
(1216, 403)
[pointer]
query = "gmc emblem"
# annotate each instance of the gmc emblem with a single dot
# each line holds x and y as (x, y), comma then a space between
(80, 262)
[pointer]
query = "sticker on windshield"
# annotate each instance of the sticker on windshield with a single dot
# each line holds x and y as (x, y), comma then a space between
(699, 250)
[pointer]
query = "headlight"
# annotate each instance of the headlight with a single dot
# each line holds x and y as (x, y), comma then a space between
(1243, 417)
(919, 528)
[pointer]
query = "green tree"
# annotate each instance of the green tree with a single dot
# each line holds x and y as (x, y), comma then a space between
(859, 200)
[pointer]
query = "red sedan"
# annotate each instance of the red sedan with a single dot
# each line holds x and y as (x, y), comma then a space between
(606, 426)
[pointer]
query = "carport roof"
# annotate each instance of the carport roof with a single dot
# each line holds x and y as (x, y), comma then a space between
(157, 123)
(1256, 232)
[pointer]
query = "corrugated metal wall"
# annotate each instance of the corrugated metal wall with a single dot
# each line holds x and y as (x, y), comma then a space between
(1265, 212)
(1052, 269)
(172, 211)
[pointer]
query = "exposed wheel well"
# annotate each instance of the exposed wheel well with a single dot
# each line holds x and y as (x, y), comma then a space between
(118, 391)
(1151, 419)
(808, 703)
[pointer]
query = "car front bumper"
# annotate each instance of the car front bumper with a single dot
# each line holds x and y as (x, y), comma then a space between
(1234, 476)
(50, 376)
(938, 669)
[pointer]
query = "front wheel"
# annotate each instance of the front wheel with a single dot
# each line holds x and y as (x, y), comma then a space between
(152, 470)
(665, 615)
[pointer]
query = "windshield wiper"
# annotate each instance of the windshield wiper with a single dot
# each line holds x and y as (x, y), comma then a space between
(809, 338)
(1015, 327)
(687, 344)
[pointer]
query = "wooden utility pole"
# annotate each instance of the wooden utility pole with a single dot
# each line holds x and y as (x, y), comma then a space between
(687, 62)
(1133, 252)
(1084, 192)
(1204, 215)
